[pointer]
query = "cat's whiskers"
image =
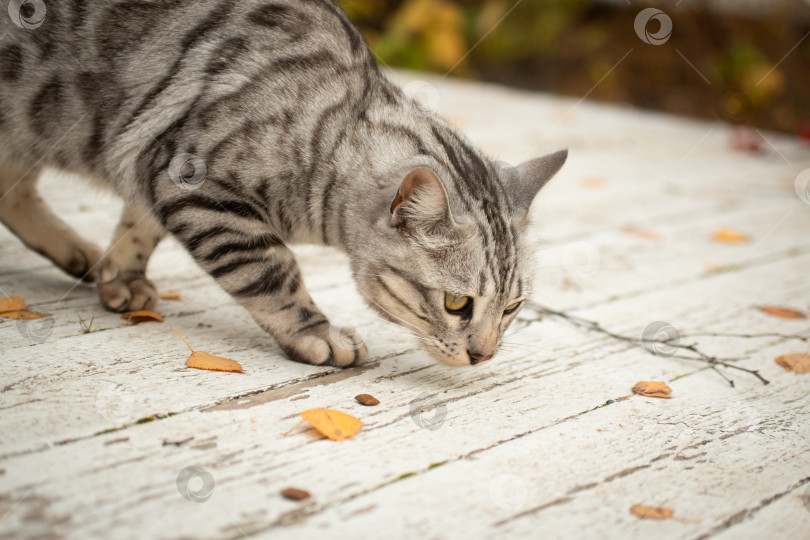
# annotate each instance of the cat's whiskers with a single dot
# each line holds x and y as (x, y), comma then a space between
(416, 328)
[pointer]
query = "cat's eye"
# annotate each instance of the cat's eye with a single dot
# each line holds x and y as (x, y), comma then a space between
(456, 304)
(511, 308)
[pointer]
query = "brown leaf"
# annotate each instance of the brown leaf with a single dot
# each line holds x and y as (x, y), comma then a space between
(295, 494)
(209, 362)
(166, 295)
(144, 315)
(651, 512)
(796, 362)
(12, 303)
(652, 389)
(729, 236)
(367, 399)
(640, 233)
(24, 314)
(783, 312)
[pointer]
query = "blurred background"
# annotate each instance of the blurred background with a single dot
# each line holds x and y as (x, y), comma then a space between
(746, 62)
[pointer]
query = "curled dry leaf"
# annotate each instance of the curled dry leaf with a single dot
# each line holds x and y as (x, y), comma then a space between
(729, 236)
(144, 315)
(783, 312)
(796, 362)
(209, 362)
(295, 494)
(652, 389)
(167, 295)
(14, 307)
(333, 424)
(367, 399)
(651, 512)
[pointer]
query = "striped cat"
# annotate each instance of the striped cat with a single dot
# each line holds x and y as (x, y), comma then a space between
(243, 127)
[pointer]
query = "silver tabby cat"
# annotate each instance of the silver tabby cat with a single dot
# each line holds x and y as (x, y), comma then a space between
(241, 127)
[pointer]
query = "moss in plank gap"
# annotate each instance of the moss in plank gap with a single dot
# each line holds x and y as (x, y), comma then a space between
(681, 376)
(404, 476)
(435, 465)
(105, 431)
(145, 420)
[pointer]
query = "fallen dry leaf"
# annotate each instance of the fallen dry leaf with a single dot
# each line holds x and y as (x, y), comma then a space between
(203, 360)
(594, 182)
(167, 295)
(729, 236)
(640, 233)
(12, 303)
(14, 307)
(367, 399)
(295, 494)
(651, 512)
(333, 424)
(652, 389)
(796, 362)
(783, 312)
(144, 315)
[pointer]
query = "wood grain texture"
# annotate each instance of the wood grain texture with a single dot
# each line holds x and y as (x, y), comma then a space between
(97, 428)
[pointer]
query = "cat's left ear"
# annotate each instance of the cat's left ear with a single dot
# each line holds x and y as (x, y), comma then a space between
(525, 181)
(421, 203)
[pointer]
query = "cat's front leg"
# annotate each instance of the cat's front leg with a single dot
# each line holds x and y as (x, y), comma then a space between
(122, 282)
(260, 272)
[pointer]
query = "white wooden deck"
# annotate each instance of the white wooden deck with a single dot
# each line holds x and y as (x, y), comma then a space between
(96, 428)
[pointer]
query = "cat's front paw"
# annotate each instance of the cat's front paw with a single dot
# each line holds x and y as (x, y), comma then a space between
(327, 345)
(125, 290)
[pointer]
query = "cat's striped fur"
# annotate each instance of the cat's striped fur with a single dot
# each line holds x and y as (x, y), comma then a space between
(241, 127)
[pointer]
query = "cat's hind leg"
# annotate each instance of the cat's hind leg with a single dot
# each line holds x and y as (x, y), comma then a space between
(123, 285)
(24, 212)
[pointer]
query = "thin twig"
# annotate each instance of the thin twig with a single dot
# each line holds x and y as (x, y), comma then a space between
(713, 362)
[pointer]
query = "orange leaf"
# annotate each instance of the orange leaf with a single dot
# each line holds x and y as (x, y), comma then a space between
(783, 313)
(594, 182)
(203, 360)
(166, 295)
(24, 314)
(335, 425)
(12, 303)
(729, 236)
(796, 362)
(144, 315)
(641, 233)
(652, 389)
(651, 512)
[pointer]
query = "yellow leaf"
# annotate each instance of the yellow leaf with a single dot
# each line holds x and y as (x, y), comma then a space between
(209, 362)
(335, 425)
(24, 314)
(782, 312)
(796, 362)
(166, 295)
(652, 389)
(729, 236)
(641, 233)
(144, 315)
(594, 182)
(12, 303)
(651, 512)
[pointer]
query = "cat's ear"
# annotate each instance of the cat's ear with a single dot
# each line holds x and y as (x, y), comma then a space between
(525, 181)
(421, 203)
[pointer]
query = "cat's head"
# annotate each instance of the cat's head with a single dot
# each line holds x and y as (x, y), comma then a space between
(448, 258)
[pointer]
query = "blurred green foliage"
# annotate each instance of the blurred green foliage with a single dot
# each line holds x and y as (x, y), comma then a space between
(570, 46)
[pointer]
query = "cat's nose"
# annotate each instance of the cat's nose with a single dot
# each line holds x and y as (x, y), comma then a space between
(476, 358)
